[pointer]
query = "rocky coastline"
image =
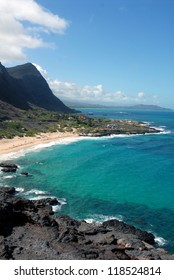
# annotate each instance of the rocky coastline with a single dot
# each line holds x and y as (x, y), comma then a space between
(31, 230)
(106, 127)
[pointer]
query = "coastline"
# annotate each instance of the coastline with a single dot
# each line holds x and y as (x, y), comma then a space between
(8, 146)
(27, 144)
(42, 235)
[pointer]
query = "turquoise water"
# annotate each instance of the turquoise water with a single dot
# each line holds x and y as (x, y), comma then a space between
(126, 177)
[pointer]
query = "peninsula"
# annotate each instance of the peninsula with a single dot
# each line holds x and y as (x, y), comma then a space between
(34, 129)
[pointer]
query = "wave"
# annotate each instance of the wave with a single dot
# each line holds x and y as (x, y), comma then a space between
(37, 192)
(69, 140)
(39, 197)
(39, 147)
(96, 218)
(57, 208)
(9, 176)
(161, 129)
(20, 190)
(99, 218)
(160, 241)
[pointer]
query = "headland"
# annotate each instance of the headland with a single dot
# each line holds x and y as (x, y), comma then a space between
(75, 126)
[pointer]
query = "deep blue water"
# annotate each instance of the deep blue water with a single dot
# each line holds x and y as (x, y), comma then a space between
(130, 178)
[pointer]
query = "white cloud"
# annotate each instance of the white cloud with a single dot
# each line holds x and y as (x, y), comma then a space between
(87, 93)
(96, 94)
(141, 95)
(67, 90)
(41, 70)
(21, 24)
(156, 96)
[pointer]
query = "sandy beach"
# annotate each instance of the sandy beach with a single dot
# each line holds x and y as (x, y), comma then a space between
(17, 143)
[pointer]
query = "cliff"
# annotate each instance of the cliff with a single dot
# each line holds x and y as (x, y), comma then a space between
(23, 86)
(30, 230)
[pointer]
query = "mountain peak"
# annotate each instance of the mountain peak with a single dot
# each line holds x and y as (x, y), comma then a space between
(23, 85)
(20, 71)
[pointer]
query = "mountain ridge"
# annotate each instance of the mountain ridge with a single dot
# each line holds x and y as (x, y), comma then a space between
(136, 107)
(23, 86)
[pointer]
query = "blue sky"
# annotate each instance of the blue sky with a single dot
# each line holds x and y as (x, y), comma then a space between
(116, 52)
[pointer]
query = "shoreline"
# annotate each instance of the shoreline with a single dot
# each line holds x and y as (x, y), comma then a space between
(9, 146)
(64, 238)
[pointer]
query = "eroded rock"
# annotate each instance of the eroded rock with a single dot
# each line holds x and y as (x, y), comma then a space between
(29, 230)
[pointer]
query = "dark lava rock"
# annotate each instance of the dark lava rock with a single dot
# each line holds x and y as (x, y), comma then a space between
(8, 167)
(29, 230)
(7, 190)
(47, 201)
(129, 229)
(25, 174)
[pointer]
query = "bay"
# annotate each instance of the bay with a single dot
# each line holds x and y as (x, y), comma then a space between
(126, 177)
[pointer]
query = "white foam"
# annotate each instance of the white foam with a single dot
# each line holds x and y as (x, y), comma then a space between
(40, 197)
(56, 208)
(90, 221)
(20, 190)
(62, 141)
(62, 201)
(110, 136)
(69, 140)
(147, 123)
(165, 132)
(9, 176)
(13, 155)
(160, 241)
(39, 147)
(35, 191)
(161, 129)
(96, 218)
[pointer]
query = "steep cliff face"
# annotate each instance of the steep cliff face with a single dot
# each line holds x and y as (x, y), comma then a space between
(23, 85)
(10, 91)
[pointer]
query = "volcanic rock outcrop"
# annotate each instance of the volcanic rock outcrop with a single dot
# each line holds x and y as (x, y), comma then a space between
(30, 230)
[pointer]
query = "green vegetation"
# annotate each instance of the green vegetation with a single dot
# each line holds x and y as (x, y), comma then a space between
(17, 122)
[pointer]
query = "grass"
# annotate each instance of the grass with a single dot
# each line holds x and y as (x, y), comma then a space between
(17, 122)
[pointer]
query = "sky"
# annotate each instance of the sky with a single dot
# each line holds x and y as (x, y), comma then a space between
(111, 52)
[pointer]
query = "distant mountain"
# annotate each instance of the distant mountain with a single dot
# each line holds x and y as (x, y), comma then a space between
(147, 107)
(133, 107)
(76, 104)
(23, 86)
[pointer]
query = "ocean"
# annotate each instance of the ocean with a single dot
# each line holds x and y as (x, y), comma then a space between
(130, 178)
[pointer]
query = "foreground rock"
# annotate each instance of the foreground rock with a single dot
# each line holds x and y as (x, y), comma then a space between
(30, 230)
(8, 167)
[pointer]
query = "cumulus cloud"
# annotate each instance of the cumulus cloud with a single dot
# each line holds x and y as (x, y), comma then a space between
(67, 90)
(21, 25)
(141, 95)
(87, 93)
